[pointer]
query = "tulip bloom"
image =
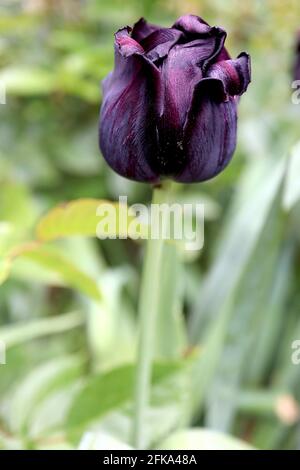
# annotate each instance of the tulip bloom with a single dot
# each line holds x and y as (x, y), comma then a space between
(170, 106)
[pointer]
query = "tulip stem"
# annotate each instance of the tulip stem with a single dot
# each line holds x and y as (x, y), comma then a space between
(148, 307)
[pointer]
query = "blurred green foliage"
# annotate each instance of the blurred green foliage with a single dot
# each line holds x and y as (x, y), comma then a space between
(68, 306)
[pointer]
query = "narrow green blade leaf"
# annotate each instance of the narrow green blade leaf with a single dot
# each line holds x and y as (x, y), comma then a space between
(18, 333)
(292, 187)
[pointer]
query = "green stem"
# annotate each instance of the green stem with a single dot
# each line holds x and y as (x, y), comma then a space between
(148, 307)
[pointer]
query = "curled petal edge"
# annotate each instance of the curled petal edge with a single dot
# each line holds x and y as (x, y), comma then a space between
(235, 74)
(126, 45)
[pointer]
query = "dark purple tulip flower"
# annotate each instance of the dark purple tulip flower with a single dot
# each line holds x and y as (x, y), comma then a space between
(170, 105)
(296, 73)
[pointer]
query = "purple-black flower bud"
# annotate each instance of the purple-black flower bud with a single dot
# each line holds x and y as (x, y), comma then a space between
(170, 106)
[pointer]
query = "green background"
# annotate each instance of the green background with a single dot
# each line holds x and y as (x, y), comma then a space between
(68, 306)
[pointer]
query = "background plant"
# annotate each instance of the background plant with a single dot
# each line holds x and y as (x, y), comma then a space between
(68, 302)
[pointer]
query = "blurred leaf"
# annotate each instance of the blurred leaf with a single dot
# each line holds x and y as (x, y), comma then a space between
(114, 313)
(80, 218)
(169, 404)
(52, 259)
(82, 143)
(218, 295)
(47, 420)
(27, 81)
(202, 439)
(170, 337)
(101, 441)
(17, 215)
(18, 21)
(20, 332)
(251, 209)
(269, 331)
(16, 205)
(246, 321)
(73, 218)
(106, 392)
(5, 266)
(55, 443)
(40, 383)
(71, 84)
(292, 187)
(274, 403)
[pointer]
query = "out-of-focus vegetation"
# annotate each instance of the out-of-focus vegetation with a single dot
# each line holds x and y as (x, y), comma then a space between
(68, 303)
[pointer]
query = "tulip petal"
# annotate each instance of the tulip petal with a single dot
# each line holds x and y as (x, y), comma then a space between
(195, 27)
(180, 73)
(142, 29)
(126, 44)
(128, 136)
(210, 132)
(158, 44)
(235, 74)
(192, 24)
(223, 55)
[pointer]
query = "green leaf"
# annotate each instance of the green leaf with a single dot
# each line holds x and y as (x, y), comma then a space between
(38, 385)
(248, 214)
(47, 419)
(246, 321)
(53, 260)
(276, 403)
(114, 313)
(16, 205)
(258, 195)
(18, 333)
(83, 217)
(292, 187)
(101, 441)
(27, 81)
(17, 214)
(202, 439)
(76, 218)
(109, 391)
(269, 331)
(5, 266)
(169, 405)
